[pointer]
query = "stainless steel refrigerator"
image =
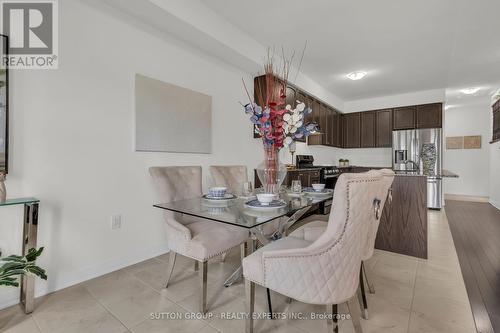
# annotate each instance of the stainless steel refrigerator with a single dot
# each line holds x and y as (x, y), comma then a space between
(420, 151)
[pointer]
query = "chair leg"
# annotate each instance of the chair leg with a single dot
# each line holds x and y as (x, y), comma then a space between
(269, 304)
(363, 303)
(332, 320)
(354, 313)
(249, 305)
(196, 266)
(367, 274)
(171, 264)
(243, 250)
(203, 286)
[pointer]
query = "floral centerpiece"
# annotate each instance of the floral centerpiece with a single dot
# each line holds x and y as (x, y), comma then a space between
(278, 124)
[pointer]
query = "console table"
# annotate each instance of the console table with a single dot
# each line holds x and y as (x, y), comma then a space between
(30, 226)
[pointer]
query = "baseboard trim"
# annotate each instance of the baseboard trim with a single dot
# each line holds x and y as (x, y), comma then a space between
(82, 275)
(495, 204)
(472, 198)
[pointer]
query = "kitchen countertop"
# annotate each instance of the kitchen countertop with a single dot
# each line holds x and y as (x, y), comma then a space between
(444, 174)
(407, 173)
(448, 174)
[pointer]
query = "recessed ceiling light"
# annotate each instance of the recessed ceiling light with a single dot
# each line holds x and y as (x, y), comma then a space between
(470, 91)
(356, 75)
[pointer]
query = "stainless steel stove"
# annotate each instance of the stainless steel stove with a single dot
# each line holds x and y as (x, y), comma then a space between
(328, 176)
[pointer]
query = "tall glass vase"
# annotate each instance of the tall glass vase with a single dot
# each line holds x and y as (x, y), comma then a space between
(271, 172)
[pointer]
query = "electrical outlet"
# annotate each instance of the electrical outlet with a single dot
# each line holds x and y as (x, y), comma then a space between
(116, 222)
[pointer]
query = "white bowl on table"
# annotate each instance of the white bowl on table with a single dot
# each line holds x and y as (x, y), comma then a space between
(217, 192)
(265, 198)
(318, 187)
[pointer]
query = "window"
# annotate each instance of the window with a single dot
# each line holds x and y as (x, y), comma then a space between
(496, 121)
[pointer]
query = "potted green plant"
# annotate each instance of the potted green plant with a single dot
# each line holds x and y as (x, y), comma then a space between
(14, 266)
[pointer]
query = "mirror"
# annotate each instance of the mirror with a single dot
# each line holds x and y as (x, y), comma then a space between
(4, 108)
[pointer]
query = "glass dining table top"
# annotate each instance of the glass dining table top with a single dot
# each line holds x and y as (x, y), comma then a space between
(238, 213)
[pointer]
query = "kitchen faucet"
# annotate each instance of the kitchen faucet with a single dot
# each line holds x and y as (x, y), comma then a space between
(416, 165)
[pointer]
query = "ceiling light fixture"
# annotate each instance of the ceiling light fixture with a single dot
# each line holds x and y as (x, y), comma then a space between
(470, 91)
(356, 75)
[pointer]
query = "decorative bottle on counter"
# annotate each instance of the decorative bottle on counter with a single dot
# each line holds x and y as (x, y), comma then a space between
(428, 155)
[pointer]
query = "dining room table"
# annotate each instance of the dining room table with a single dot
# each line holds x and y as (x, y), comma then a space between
(245, 212)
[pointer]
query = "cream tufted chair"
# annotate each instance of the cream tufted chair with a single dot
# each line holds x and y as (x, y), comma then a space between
(233, 177)
(323, 271)
(230, 176)
(192, 237)
(315, 229)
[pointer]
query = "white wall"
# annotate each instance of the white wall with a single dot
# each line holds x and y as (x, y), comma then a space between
(471, 116)
(72, 144)
(413, 98)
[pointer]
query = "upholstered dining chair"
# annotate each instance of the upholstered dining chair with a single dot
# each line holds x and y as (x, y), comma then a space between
(233, 177)
(230, 176)
(315, 229)
(323, 271)
(192, 237)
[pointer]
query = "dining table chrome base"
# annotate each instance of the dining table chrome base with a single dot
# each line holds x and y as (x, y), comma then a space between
(257, 233)
(235, 277)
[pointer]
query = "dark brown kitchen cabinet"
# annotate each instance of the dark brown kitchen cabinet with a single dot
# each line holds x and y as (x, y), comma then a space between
(290, 96)
(308, 102)
(430, 115)
(368, 129)
(323, 123)
(383, 124)
(332, 131)
(405, 117)
(352, 130)
(327, 122)
(317, 111)
(322, 113)
(338, 130)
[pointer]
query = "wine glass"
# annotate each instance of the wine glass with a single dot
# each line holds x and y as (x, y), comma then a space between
(296, 186)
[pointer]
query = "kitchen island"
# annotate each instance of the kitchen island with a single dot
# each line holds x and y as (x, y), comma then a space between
(403, 225)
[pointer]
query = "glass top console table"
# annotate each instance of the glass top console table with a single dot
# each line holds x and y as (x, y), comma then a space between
(30, 226)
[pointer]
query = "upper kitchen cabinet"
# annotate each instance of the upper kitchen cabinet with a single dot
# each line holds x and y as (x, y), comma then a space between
(405, 117)
(383, 125)
(317, 112)
(326, 124)
(337, 127)
(430, 115)
(290, 96)
(352, 130)
(368, 129)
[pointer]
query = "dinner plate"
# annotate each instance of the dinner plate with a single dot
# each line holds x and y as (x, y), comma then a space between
(228, 196)
(323, 192)
(275, 204)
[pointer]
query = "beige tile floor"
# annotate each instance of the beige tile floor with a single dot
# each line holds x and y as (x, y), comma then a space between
(412, 295)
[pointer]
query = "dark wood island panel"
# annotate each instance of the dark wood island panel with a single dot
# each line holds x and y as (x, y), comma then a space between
(403, 226)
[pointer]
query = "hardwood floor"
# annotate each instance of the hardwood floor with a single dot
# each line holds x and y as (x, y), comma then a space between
(475, 228)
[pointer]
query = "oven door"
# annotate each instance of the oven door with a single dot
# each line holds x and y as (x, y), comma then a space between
(329, 181)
